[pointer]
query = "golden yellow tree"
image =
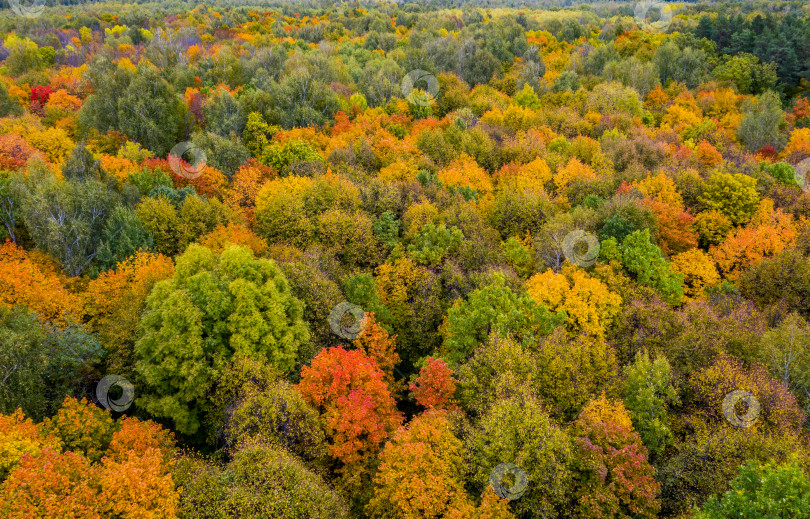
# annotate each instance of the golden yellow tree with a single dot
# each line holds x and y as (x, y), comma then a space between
(699, 271)
(590, 305)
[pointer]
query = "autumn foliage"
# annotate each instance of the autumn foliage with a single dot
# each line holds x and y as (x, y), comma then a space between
(348, 390)
(438, 171)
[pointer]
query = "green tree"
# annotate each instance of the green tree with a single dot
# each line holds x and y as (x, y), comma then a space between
(570, 370)
(261, 481)
(433, 242)
(310, 284)
(276, 415)
(257, 134)
(9, 204)
(349, 236)
(23, 55)
(8, 105)
(159, 216)
(493, 308)
(361, 289)
(499, 360)
(763, 122)
(784, 279)
(279, 156)
(783, 172)
(65, 218)
(516, 429)
(213, 307)
(301, 99)
(223, 116)
(786, 352)
(122, 236)
(140, 104)
(644, 261)
(146, 179)
(648, 393)
(41, 363)
(688, 66)
(225, 153)
(173, 228)
(386, 229)
(81, 165)
(769, 490)
(747, 74)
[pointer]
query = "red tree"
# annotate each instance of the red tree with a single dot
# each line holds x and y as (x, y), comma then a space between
(348, 390)
(614, 477)
(435, 385)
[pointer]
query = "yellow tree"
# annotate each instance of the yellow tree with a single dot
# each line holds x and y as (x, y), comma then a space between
(590, 305)
(114, 302)
(463, 171)
(234, 234)
(573, 170)
(420, 475)
(699, 272)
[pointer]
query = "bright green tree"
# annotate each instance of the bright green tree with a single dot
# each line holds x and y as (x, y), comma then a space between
(643, 259)
(493, 308)
(213, 307)
(648, 393)
(769, 490)
(747, 73)
(433, 242)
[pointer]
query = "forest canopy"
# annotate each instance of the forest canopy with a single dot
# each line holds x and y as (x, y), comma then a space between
(404, 260)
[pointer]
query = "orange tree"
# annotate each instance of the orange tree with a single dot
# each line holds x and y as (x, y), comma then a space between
(420, 475)
(348, 389)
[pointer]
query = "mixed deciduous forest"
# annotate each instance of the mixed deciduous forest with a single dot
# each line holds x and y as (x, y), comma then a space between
(404, 260)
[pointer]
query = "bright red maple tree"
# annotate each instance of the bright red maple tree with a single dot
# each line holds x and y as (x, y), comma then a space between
(435, 385)
(348, 390)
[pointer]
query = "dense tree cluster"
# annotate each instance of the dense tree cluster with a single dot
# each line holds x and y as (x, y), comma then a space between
(404, 260)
